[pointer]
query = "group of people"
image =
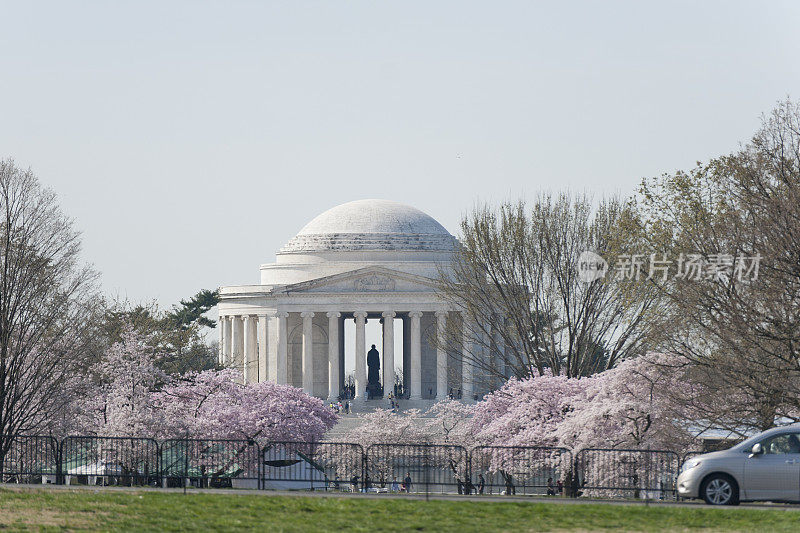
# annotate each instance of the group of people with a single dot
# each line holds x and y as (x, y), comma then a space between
(340, 407)
(395, 486)
(401, 487)
(554, 488)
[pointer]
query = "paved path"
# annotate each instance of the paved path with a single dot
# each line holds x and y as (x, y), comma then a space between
(413, 496)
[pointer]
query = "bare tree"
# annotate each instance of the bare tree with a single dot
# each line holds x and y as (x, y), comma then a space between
(515, 280)
(737, 316)
(46, 297)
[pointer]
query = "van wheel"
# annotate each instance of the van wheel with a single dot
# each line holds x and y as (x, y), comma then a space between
(720, 489)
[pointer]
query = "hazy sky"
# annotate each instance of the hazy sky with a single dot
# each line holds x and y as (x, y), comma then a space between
(190, 140)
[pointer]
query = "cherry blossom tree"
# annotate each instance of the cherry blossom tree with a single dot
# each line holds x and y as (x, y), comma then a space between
(635, 405)
(527, 412)
(126, 394)
(644, 402)
(450, 423)
(119, 398)
(521, 414)
(639, 405)
(213, 404)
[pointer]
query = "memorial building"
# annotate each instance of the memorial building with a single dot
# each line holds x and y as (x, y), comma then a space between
(360, 261)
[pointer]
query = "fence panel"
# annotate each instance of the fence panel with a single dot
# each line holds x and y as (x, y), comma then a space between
(312, 466)
(431, 467)
(649, 474)
(537, 470)
(109, 460)
(214, 463)
(29, 459)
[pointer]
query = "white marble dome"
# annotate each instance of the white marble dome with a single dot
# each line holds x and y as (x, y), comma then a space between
(377, 225)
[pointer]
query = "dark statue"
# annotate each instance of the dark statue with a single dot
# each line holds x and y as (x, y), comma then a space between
(374, 388)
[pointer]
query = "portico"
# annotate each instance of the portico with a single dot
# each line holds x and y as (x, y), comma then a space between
(364, 261)
(302, 343)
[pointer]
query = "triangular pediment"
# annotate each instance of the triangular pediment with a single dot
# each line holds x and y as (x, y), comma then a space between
(369, 280)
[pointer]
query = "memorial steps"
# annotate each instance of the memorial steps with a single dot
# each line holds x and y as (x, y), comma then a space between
(348, 422)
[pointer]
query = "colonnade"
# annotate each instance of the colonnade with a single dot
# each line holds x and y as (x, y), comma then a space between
(258, 345)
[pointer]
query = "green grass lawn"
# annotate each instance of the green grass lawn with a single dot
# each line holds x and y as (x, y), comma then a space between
(152, 511)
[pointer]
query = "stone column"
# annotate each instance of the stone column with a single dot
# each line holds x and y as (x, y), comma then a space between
(308, 352)
(333, 355)
(282, 348)
(388, 352)
(221, 346)
(237, 353)
(249, 364)
(227, 322)
(361, 355)
(466, 361)
(441, 356)
(263, 348)
(416, 356)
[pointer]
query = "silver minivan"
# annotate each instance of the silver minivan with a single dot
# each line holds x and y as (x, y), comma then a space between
(764, 467)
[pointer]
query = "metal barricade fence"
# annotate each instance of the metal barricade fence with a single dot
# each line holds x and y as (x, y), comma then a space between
(219, 463)
(109, 460)
(312, 466)
(431, 468)
(29, 459)
(214, 463)
(638, 474)
(531, 470)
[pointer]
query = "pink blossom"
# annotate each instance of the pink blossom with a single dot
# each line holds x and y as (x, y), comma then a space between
(214, 405)
(118, 397)
(527, 412)
(382, 426)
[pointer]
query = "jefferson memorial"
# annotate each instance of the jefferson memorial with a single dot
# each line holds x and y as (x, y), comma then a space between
(361, 261)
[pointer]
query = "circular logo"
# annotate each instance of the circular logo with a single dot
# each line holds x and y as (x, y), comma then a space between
(591, 267)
